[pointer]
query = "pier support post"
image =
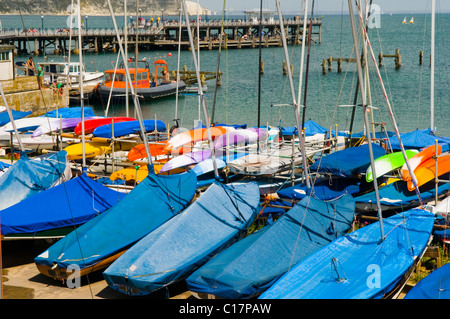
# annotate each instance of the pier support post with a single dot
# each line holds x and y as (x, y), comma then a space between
(398, 59)
(324, 66)
(421, 57)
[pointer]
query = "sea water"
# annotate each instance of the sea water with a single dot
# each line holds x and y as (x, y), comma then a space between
(236, 102)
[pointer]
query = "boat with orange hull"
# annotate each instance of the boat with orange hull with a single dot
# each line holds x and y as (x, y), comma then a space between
(193, 136)
(138, 152)
(91, 124)
(427, 171)
(145, 86)
(418, 159)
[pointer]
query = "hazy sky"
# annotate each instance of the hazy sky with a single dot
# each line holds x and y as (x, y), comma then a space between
(387, 6)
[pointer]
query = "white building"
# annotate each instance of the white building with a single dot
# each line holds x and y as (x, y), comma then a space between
(6, 62)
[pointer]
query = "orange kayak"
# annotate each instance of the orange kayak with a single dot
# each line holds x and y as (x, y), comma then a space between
(138, 151)
(193, 136)
(427, 170)
(418, 159)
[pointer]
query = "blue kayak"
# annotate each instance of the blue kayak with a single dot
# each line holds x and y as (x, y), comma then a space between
(128, 127)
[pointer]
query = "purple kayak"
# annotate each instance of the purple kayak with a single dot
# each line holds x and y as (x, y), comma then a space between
(249, 135)
(186, 159)
(55, 125)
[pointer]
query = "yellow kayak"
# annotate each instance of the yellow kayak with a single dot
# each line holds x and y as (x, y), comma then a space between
(130, 173)
(75, 151)
(93, 149)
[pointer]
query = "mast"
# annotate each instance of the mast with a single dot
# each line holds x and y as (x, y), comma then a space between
(433, 22)
(307, 66)
(135, 97)
(178, 67)
(259, 65)
(391, 113)
(200, 91)
(218, 64)
(365, 110)
(296, 106)
(198, 60)
(302, 59)
(125, 38)
(80, 53)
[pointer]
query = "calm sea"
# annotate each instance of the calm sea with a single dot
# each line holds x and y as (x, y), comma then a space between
(408, 88)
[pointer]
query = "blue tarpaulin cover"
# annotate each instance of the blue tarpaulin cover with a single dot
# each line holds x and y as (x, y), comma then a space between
(4, 117)
(348, 162)
(397, 194)
(359, 265)
(150, 204)
(254, 263)
(311, 128)
(68, 112)
(71, 203)
(436, 285)
(28, 177)
(323, 188)
(174, 250)
(419, 139)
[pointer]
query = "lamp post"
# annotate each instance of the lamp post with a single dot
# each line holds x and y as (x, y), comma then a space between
(140, 17)
(162, 15)
(42, 22)
(87, 23)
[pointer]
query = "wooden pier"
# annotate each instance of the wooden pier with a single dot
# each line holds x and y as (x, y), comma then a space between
(238, 34)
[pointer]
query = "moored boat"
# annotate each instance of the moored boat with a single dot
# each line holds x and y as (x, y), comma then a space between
(146, 87)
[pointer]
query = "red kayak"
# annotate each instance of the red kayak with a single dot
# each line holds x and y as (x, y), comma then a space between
(92, 124)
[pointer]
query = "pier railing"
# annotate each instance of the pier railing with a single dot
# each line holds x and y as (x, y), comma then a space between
(153, 29)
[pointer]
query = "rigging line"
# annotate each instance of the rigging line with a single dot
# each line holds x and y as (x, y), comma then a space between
(218, 63)
(307, 64)
(296, 242)
(259, 64)
(390, 110)
(421, 69)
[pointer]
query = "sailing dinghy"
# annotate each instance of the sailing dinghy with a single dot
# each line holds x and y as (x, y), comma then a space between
(174, 250)
(97, 243)
(359, 265)
(253, 264)
(29, 177)
(56, 211)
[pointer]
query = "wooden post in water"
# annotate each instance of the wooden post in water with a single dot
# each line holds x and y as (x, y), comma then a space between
(421, 57)
(398, 59)
(324, 66)
(380, 59)
(262, 67)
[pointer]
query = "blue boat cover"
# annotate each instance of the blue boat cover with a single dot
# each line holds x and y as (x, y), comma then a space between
(311, 128)
(68, 204)
(173, 251)
(29, 177)
(419, 139)
(397, 194)
(434, 286)
(254, 263)
(150, 204)
(348, 162)
(323, 188)
(4, 117)
(359, 265)
(70, 112)
(128, 127)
